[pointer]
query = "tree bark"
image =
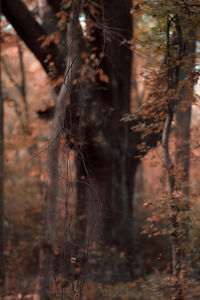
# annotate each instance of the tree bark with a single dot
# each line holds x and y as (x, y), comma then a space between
(43, 289)
(183, 115)
(46, 253)
(2, 233)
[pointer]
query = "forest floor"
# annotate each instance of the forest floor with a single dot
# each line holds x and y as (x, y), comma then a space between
(154, 287)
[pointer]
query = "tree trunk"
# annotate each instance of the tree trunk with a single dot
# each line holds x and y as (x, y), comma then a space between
(43, 288)
(2, 235)
(180, 86)
(183, 121)
(107, 157)
(183, 115)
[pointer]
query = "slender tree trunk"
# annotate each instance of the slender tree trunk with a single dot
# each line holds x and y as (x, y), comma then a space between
(183, 114)
(179, 85)
(2, 260)
(2, 235)
(174, 211)
(23, 82)
(183, 121)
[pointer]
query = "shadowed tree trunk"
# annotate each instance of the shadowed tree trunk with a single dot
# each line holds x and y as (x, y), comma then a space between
(46, 254)
(183, 114)
(2, 235)
(108, 157)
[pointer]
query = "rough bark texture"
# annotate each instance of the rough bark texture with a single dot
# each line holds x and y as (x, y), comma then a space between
(46, 253)
(43, 289)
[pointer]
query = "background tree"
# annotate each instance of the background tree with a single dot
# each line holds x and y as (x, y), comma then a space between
(180, 60)
(2, 247)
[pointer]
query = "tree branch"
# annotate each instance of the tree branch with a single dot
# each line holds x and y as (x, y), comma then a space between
(31, 32)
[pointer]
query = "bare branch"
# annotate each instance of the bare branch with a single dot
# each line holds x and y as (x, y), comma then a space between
(31, 32)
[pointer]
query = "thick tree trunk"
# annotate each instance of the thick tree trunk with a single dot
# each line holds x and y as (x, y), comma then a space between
(108, 157)
(2, 235)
